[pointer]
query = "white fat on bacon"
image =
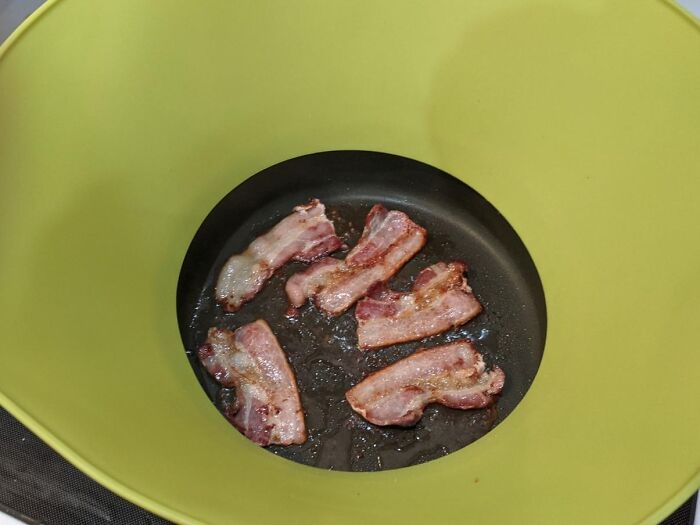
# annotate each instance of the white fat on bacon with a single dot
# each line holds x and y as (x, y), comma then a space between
(453, 375)
(305, 235)
(267, 409)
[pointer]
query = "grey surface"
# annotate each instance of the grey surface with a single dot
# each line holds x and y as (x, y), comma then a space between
(13, 12)
(692, 6)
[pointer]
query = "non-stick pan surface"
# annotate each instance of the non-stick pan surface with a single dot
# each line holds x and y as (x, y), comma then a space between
(323, 350)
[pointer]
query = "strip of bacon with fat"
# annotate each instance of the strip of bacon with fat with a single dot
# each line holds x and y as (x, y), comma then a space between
(440, 299)
(389, 240)
(267, 408)
(452, 374)
(305, 235)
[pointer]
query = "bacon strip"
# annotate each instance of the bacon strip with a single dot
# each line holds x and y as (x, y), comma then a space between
(267, 408)
(440, 299)
(389, 240)
(304, 235)
(452, 374)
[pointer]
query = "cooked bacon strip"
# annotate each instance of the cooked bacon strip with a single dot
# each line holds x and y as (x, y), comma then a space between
(304, 235)
(267, 408)
(389, 240)
(440, 299)
(452, 375)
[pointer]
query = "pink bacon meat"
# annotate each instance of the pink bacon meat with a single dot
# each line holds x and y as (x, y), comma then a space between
(304, 235)
(389, 240)
(267, 408)
(453, 375)
(439, 300)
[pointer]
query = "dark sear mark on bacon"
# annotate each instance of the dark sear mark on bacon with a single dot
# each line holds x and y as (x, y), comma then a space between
(305, 235)
(440, 299)
(452, 375)
(389, 240)
(267, 408)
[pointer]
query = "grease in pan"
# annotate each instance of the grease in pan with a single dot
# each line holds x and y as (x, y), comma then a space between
(322, 349)
(266, 406)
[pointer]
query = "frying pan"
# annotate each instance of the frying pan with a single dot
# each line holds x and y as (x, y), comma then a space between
(124, 124)
(323, 351)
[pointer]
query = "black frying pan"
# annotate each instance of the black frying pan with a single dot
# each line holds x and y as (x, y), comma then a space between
(461, 224)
